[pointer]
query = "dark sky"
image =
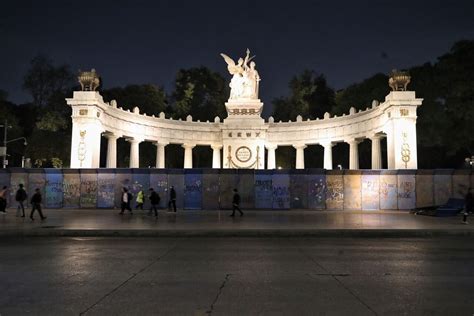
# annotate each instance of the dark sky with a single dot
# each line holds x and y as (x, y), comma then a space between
(147, 42)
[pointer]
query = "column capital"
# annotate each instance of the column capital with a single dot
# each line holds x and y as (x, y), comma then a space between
(352, 141)
(300, 146)
(188, 146)
(271, 146)
(327, 143)
(134, 140)
(217, 147)
(161, 143)
(375, 136)
(110, 135)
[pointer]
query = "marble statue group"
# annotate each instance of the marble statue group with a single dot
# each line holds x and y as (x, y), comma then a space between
(245, 80)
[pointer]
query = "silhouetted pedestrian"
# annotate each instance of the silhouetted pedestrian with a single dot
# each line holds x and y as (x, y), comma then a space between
(20, 198)
(154, 201)
(126, 200)
(36, 203)
(469, 201)
(172, 200)
(3, 199)
(236, 203)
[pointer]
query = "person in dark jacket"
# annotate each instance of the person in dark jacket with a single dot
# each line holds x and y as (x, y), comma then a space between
(126, 200)
(21, 197)
(3, 200)
(154, 201)
(172, 200)
(236, 203)
(36, 203)
(469, 201)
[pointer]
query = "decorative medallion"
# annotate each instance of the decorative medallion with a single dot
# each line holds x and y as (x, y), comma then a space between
(243, 154)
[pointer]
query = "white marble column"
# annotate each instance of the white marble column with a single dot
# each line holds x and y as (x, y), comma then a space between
(216, 156)
(160, 154)
(353, 153)
(134, 152)
(271, 160)
(327, 155)
(111, 151)
(188, 155)
(376, 152)
(299, 156)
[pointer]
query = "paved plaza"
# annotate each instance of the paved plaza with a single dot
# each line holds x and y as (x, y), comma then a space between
(237, 276)
(100, 222)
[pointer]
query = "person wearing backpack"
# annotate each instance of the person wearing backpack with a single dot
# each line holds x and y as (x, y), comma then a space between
(155, 201)
(21, 197)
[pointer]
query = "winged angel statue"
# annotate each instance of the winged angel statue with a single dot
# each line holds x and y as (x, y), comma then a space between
(245, 80)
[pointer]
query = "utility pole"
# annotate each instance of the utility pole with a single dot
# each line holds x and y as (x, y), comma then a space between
(5, 128)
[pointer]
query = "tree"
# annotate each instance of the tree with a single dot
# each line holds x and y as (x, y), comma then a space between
(149, 98)
(43, 80)
(199, 92)
(48, 116)
(455, 74)
(310, 97)
(360, 95)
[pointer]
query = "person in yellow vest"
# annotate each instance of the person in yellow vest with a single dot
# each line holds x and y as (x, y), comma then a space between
(140, 199)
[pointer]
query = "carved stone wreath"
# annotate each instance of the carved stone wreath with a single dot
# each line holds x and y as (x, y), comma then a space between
(243, 154)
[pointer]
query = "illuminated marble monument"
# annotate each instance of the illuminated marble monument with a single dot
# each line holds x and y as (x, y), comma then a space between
(241, 139)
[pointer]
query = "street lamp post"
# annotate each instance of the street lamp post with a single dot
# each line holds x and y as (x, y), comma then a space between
(470, 162)
(4, 149)
(5, 142)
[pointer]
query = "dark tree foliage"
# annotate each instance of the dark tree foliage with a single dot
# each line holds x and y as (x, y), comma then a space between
(445, 124)
(43, 80)
(361, 95)
(201, 93)
(9, 114)
(310, 97)
(150, 99)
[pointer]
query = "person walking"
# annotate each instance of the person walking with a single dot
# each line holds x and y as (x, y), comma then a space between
(140, 199)
(154, 201)
(172, 200)
(468, 201)
(20, 198)
(36, 203)
(126, 200)
(3, 199)
(236, 204)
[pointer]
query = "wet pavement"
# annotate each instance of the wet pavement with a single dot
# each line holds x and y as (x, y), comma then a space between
(99, 222)
(237, 276)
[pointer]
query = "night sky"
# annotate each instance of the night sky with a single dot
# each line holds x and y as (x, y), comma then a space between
(148, 42)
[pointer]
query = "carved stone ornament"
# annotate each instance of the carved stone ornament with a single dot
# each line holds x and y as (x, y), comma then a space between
(399, 80)
(89, 80)
(81, 150)
(243, 154)
(405, 150)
